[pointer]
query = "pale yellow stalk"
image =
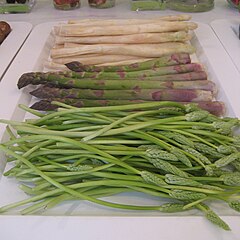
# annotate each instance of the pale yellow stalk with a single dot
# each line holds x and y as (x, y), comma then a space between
(96, 59)
(164, 26)
(179, 36)
(141, 50)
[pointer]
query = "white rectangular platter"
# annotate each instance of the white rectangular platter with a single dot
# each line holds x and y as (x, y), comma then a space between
(227, 31)
(13, 42)
(82, 220)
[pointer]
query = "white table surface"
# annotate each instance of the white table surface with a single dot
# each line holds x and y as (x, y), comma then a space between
(113, 228)
(44, 11)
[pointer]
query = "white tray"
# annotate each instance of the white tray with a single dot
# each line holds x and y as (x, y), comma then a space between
(87, 221)
(13, 42)
(227, 31)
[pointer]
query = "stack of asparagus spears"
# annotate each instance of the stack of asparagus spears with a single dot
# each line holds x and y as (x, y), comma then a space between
(119, 41)
(108, 63)
(171, 77)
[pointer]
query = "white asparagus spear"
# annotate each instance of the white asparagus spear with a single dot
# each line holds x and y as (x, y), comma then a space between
(56, 45)
(74, 45)
(97, 59)
(126, 62)
(116, 22)
(94, 21)
(141, 50)
(49, 65)
(164, 26)
(179, 36)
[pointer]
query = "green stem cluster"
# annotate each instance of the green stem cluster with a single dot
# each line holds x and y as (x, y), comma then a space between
(91, 153)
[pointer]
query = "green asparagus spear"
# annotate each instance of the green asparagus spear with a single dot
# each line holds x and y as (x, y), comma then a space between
(133, 84)
(179, 95)
(40, 77)
(158, 71)
(169, 60)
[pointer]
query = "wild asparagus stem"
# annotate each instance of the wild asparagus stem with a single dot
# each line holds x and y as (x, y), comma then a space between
(70, 141)
(63, 168)
(105, 109)
(67, 189)
(115, 123)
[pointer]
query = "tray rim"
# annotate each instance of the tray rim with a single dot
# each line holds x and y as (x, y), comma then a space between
(11, 45)
(225, 33)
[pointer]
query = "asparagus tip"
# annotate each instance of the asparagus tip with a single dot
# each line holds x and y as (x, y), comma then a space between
(43, 105)
(25, 80)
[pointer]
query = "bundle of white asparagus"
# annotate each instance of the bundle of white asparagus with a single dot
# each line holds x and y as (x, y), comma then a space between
(118, 42)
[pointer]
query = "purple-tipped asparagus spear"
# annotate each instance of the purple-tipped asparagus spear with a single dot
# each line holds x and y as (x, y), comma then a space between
(179, 95)
(188, 76)
(66, 78)
(135, 84)
(73, 78)
(164, 70)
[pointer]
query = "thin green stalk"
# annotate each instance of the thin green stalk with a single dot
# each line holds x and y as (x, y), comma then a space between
(192, 204)
(210, 134)
(115, 123)
(195, 137)
(75, 143)
(106, 109)
(30, 110)
(148, 137)
(71, 191)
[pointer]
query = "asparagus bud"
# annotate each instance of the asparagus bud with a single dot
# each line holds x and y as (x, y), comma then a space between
(152, 178)
(196, 115)
(231, 179)
(197, 154)
(224, 161)
(181, 156)
(236, 140)
(224, 127)
(216, 172)
(178, 138)
(236, 165)
(176, 180)
(214, 218)
(226, 149)
(234, 204)
(167, 167)
(79, 168)
(171, 207)
(160, 154)
(186, 195)
(204, 148)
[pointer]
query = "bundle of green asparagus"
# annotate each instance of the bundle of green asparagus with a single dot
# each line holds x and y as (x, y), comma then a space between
(119, 41)
(166, 150)
(172, 78)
